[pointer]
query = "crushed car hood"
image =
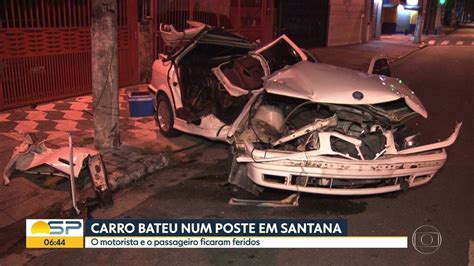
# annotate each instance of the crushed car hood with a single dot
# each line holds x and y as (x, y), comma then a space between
(330, 84)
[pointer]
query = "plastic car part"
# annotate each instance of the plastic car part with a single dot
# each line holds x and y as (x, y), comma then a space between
(290, 201)
(99, 179)
(317, 125)
(238, 177)
(71, 176)
(33, 154)
(267, 123)
(174, 38)
(442, 144)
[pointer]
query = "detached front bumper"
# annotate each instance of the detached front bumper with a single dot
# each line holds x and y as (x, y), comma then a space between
(311, 173)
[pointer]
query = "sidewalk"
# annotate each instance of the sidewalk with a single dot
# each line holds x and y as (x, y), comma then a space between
(358, 56)
(141, 154)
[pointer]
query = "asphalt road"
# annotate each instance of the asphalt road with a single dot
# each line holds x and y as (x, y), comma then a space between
(460, 37)
(443, 77)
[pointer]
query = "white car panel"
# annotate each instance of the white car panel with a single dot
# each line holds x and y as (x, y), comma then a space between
(330, 84)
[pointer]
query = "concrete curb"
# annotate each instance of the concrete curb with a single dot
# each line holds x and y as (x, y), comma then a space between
(420, 47)
(424, 45)
(126, 165)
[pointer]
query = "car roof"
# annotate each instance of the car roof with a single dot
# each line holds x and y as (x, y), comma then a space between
(216, 36)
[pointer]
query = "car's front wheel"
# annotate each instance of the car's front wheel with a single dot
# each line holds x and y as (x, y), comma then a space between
(164, 116)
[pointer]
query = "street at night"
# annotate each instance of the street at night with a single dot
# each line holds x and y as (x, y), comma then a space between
(157, 169)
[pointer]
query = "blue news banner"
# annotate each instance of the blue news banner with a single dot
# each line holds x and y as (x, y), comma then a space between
(212, 233)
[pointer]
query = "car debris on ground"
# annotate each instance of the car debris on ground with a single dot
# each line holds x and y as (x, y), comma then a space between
(32, 156)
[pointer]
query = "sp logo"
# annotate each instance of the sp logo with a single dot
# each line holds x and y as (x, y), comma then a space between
(54, 233)
(56, 227)
(63, 227)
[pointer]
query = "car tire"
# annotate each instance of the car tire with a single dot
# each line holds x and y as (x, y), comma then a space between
(164, 116)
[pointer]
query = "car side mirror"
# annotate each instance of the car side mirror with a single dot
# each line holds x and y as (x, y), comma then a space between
(379, 66)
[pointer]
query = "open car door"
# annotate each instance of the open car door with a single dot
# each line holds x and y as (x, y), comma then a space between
(280, 53)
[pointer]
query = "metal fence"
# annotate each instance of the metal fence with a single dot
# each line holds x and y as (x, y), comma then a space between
(45, 50)
(42, 46)
(127, 17)
(45, 46)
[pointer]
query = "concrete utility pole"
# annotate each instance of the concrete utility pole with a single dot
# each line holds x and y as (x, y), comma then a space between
(105, 73)
(378, 19)
(420, 22)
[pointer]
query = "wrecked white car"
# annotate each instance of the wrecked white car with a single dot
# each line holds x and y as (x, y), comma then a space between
(294, 124)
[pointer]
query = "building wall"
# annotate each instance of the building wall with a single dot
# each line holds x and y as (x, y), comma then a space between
(389, 20)
(304, 21)
(347, 22)
(389, 15)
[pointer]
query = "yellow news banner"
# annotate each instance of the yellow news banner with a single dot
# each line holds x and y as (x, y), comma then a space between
(55, 242)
